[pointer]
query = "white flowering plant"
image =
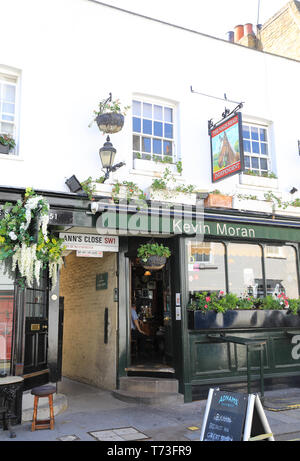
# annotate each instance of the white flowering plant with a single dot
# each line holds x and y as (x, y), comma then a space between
(25, 241)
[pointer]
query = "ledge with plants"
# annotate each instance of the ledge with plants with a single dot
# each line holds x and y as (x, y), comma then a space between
(219, 310)
(26, 246)
(156, 163)
(216, 199)
(166, 189)
(266, 180)
(153, 256)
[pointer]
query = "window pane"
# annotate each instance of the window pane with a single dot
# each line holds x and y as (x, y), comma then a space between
(157, 146)
(147, 110)
(263, 164)
(247, 147)
(146, 144)
(8, 118)
(281, 271)
(206, 266)
(158, 112)
(147, 126)
(168, 148)
(263, 134)
(158, 129)
(247, 161)
(7, 128)
(246, 132)
(168, 130)
(136, 124)
(136, 108)
(9, 93)
(6, 319)
(255, 147)
(136, 143)
(254, 133)
(245, 269)
(8, 107)
(168, 114)
(264, 149)
(254, 162)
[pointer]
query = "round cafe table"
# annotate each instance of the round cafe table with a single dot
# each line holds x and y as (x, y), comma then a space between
(9, 386)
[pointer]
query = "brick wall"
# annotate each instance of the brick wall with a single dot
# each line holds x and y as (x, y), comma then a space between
(281, 34)
(85, 356)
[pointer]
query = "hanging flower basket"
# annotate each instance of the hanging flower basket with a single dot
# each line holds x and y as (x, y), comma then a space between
(110, 122)
(153, 256)
(154, 263)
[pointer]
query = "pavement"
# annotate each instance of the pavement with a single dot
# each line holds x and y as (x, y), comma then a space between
(94, 414)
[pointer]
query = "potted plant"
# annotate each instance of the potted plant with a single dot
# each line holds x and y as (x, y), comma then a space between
(216, 199)
(218, 310)
(253, 178)
(153, 255)
(6, 143)
(110, 115)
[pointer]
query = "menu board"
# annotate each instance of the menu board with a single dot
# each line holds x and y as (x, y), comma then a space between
(226, 417)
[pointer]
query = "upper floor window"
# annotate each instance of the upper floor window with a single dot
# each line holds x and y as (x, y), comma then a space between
(8, 93)
(256, 148)
(153, 130)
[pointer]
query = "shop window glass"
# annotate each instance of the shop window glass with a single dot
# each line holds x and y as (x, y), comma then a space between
(206, 266)
(281, 271)
(6, 319)
(245, 269)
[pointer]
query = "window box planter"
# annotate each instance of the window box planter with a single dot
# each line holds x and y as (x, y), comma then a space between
(258, 181)
(171, 196)
(103, 189)
(4, 149)
(288, 211)
(152, 166)
(231, 319)
(218, 201)
(252, 205)
(110, 122)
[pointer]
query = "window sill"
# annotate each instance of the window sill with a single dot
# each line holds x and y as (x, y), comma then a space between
(11, 157)
(258, 181)
(153, 167)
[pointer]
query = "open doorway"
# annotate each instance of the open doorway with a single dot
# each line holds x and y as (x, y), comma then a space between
(151, 293)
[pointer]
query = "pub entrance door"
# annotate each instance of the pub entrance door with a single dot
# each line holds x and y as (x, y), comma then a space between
(36, 327)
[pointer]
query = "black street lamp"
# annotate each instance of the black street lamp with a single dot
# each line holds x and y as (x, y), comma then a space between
(107, 155)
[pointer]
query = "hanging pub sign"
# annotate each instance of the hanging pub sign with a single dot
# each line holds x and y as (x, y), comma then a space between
(227, 153)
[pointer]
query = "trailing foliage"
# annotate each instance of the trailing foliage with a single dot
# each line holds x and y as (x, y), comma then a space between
(153, 249)
(26, 246)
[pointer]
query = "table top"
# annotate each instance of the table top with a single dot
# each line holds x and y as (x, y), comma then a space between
(10, 380)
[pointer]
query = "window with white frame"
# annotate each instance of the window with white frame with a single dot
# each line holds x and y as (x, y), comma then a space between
(153, 130)
(8, 94)
(256, 148)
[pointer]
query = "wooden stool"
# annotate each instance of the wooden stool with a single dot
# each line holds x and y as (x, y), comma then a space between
(43, 391)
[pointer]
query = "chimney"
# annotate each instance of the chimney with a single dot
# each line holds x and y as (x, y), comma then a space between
(230, 36)
(238, 33)
(248, 29)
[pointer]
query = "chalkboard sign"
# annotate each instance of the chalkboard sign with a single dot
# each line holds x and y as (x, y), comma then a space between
(233, 416)
(226, 416)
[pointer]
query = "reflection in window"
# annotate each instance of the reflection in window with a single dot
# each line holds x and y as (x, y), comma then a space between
(6, 319)
(281, 271)
(206, 266)
(245, 269)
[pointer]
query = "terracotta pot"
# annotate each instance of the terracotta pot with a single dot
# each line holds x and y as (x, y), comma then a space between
(218, 201)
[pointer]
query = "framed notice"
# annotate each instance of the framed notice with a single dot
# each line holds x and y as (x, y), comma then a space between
(102, 281)
(226, 145)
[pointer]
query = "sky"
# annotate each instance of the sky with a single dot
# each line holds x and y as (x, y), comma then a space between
(212, 17)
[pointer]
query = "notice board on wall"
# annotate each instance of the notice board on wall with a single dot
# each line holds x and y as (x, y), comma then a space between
(233, 416)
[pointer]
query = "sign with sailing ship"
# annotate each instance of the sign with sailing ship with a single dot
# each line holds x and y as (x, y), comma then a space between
(227, 153)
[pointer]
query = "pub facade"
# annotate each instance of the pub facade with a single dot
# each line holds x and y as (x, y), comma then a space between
(242, 239)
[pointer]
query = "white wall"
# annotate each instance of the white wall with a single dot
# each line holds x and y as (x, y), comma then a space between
(72, 53)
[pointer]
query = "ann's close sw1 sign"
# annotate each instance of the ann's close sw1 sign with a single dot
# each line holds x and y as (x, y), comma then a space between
(227, 153)
(91, 242)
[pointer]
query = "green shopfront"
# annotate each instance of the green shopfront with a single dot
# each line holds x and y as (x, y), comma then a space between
(212, 250)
